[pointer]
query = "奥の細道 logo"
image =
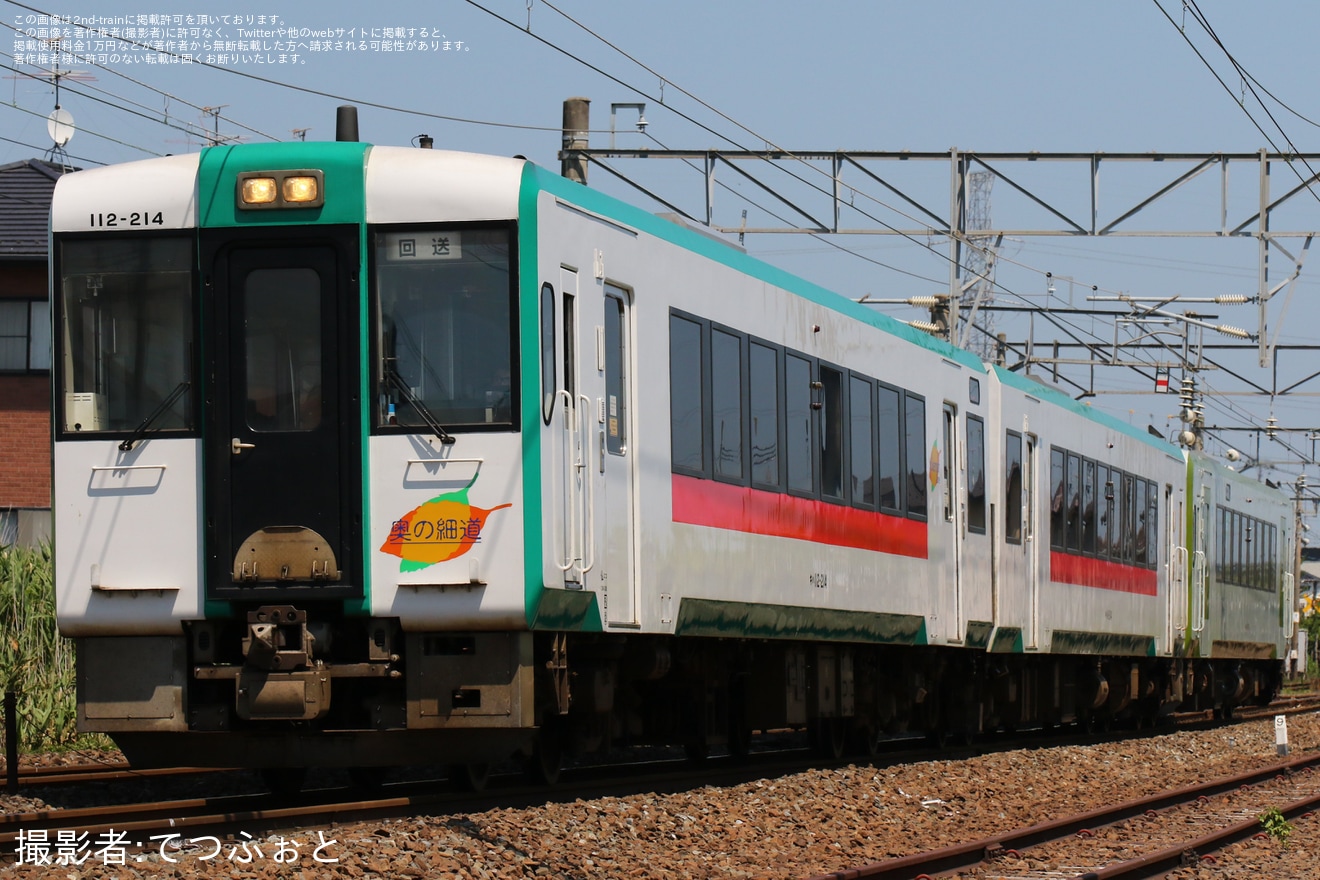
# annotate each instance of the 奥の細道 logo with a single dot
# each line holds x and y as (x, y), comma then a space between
(441, 529)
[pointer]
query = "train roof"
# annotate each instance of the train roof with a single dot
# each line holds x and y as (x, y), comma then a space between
(1029, 385)
(537, 179)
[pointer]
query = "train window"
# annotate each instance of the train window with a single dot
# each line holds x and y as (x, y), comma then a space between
(726, 401)
(570, 344)
(1058, 504)
(890, 423)
(798, 420)
(947, 462)
(1088, 506)
(1271, 556)
(1129, 517)
(831, 433)
(686, 402)
(1013, 488)
(282, 345)
(914, 427)
(1241, 560)
(1073, 511)
(1142, 548)
(763, 384)
(126, 335)
(616, 372)
(443, 301)
(1104, 520)
(861, 418)
(1221, 549)
(1153, 524)
(1253, 553)
(973, 390)
(975, 475)
(549, 382)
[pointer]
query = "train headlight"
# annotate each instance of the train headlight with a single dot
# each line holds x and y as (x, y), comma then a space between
(303, 188)
(266, 190)
(257, 191)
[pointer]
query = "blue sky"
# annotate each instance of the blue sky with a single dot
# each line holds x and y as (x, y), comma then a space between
(883, 75)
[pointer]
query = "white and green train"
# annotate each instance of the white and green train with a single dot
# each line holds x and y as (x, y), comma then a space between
(370, 455)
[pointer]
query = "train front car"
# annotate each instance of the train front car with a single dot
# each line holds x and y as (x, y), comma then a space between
(287, 455)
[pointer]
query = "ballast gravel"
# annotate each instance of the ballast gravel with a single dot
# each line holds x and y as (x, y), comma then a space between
(790, 827)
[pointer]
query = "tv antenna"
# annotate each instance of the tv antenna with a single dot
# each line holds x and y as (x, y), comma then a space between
(59, 124)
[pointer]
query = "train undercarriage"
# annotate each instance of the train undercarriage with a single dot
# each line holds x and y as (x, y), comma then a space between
(283, 691)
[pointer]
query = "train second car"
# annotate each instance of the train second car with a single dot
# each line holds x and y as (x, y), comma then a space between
(368, 455)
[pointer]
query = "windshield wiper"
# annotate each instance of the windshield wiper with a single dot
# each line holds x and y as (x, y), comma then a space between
(392, 376)
(141, 430)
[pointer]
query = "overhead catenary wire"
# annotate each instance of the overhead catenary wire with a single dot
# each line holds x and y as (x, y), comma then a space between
(364, 102)
(94, 134)
(1052, 316)
(1200, 18)
(1064, 326)
(194, 131)
(1000, 286)
(90, 62)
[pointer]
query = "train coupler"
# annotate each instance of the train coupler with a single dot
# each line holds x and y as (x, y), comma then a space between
(278, 639)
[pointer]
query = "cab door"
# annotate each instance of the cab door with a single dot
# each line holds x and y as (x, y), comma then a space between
(284, 466)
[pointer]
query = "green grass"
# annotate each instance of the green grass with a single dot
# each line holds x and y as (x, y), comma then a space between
(35, 661)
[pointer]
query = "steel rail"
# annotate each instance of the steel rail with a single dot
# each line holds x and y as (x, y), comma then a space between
(966, 855)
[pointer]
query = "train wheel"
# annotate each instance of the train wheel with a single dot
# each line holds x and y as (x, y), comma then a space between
(285, 782)
(830, 737)
(470, 777)
(1095, 724)
(866, 739)
(547, 758)
(740, 731)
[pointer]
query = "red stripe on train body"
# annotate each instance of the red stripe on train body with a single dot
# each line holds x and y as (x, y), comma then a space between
(1088, 571)
(741, 509)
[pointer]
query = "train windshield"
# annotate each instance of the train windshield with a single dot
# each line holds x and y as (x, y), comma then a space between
(443, 308)
(125, 335)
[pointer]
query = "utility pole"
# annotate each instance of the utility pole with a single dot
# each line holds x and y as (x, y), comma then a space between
(577, 119)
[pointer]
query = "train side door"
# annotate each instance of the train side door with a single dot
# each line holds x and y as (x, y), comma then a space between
(572, 535)
(976, 562)
(1030, 480)
(955, 516)
(1176, 554)
(283, 445)
(616, 462)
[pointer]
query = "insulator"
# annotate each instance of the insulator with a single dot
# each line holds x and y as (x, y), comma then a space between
(1232, 299)
(1229, 330)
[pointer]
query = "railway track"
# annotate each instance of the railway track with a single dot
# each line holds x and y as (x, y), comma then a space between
(118, 771)
(254, 813)
(262, 813)
(1146, 837)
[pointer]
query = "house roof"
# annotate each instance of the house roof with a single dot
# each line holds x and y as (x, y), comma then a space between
(25, 193)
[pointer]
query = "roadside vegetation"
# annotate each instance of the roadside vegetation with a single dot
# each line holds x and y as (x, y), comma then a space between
(35, 661)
